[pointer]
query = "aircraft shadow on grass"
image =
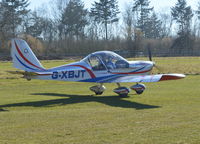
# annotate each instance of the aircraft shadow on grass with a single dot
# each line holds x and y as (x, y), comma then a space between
(114, 101)
(3, 110)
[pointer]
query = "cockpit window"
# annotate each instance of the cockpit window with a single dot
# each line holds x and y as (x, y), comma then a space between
(96, 63)
(106, 60)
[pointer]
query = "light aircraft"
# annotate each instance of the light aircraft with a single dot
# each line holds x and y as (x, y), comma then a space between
(99, 67)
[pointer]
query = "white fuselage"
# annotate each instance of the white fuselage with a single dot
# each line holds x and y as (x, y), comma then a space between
(82, 72)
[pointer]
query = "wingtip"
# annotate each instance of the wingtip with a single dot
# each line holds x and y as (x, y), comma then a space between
(172, 77)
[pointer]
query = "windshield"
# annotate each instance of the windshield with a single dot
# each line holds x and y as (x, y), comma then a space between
(106, 60)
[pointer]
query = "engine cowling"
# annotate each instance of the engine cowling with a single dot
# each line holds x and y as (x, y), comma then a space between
(98, 89)
(122, 91)
(138, 88)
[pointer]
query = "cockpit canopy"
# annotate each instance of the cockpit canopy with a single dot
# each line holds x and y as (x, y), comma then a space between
(106, 60)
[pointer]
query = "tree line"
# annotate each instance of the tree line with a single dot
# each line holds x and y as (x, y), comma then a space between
(67, 28)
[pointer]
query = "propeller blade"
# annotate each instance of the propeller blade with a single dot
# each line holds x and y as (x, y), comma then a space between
(160, 68)
(149, 52)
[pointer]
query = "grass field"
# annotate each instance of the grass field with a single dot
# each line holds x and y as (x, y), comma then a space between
(39, 112)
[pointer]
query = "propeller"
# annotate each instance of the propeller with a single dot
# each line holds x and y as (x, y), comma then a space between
(149, 52)
(159, 68)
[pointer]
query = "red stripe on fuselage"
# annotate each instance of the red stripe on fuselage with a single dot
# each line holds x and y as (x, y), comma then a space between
(134, 72)
(20, 53)
(44, 74)
(88, 70)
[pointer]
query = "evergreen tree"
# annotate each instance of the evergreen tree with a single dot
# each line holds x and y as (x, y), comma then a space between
(74, 19)
(142, 7)
(198, 10)
(154, 27)
(11, 17)
(105, 12)
(182, 14)
(12, 12)
(198, 16)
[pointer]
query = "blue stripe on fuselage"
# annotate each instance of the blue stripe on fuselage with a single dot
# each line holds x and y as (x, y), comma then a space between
(101, 79)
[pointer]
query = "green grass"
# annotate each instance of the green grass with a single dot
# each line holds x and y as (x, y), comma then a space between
(39, 112)
(186, 65)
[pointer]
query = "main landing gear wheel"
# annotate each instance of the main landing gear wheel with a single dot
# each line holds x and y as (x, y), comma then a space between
(98, 93)
(138, 88)
(122, 91)
(98, 89)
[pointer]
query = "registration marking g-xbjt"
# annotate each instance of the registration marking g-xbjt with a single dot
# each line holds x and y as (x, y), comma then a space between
(68, 74)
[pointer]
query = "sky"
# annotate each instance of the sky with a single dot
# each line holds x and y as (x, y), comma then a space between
(159, 5)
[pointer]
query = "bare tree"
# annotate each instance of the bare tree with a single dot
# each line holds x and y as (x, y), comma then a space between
(129, 23)
(166, 25)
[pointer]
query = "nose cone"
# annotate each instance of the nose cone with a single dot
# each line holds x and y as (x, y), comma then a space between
(147, 64)
(150, 64)
(141, 67)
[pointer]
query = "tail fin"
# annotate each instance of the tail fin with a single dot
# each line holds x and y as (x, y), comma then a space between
(23, 58)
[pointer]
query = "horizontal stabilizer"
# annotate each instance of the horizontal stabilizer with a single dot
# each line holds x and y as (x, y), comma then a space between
(23, 73)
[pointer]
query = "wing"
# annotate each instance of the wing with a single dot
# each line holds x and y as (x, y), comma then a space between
(146, 78)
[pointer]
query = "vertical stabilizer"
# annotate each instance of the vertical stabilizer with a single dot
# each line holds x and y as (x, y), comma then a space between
(23, 58)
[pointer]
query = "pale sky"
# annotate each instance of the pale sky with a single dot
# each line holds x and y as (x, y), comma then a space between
(159, 5)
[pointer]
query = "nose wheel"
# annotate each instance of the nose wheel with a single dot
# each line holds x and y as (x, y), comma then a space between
(98, 89)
